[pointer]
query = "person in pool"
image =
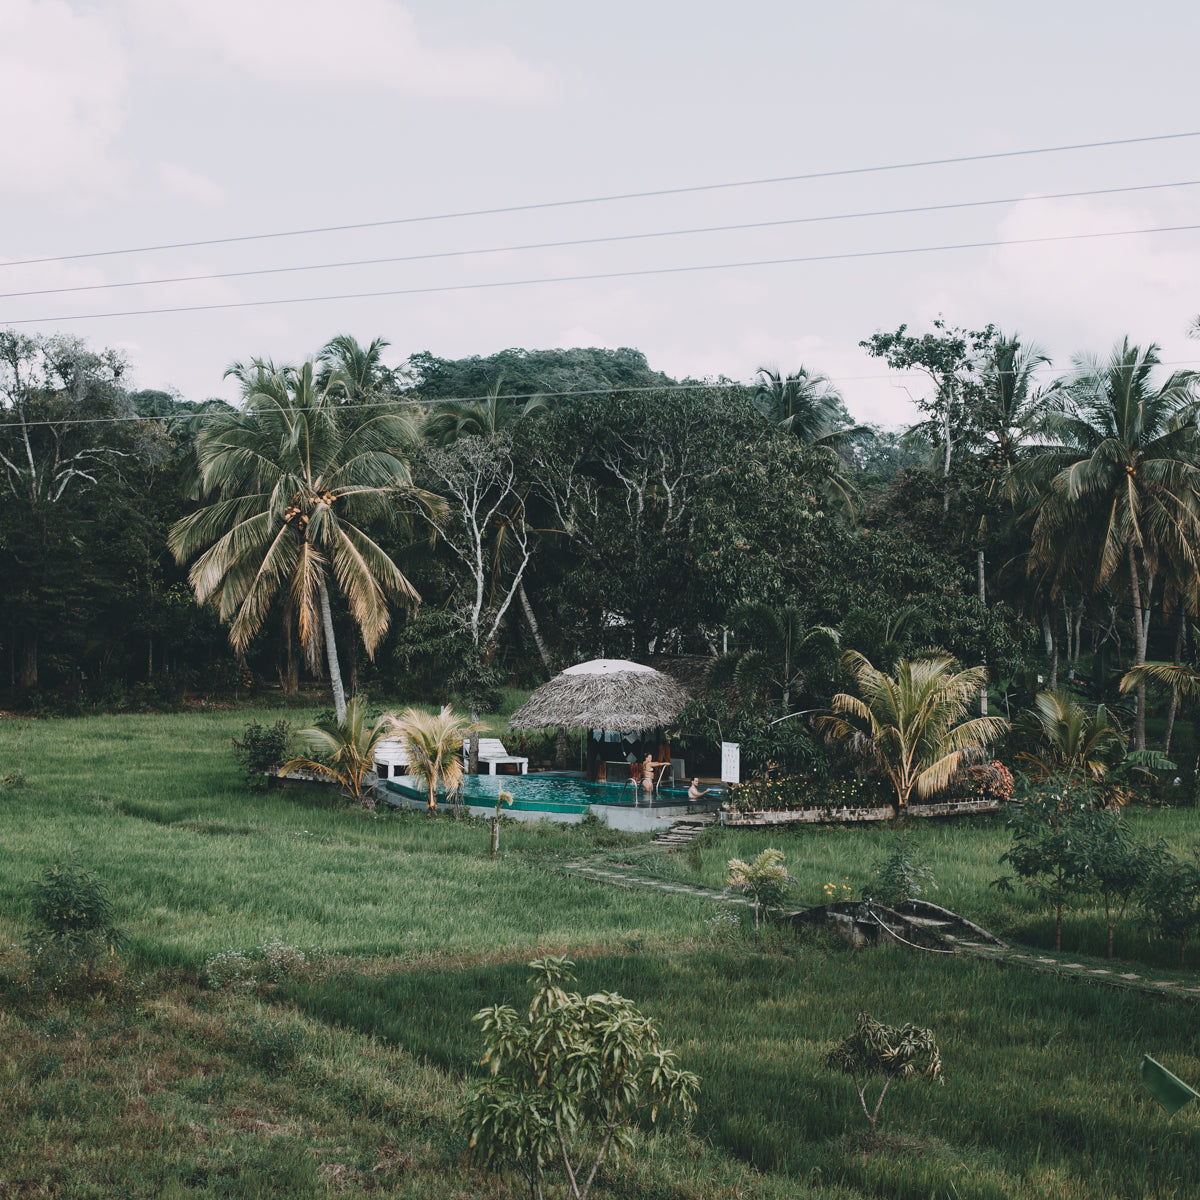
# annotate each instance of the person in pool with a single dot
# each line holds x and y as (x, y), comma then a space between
(694, 792)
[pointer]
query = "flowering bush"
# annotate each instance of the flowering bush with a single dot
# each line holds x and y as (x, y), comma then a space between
(789, 792)
(990, 781)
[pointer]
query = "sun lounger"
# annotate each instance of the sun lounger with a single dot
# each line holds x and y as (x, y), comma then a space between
(493, 754)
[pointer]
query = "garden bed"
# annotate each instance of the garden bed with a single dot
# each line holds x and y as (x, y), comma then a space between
(847, 815)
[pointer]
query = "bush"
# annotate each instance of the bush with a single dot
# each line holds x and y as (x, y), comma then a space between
(569, 1081)
(903, 875)
(273, 962)
(875, 1050)
(274, 1044)
(261, 749)
(73, 928)
(787, 792)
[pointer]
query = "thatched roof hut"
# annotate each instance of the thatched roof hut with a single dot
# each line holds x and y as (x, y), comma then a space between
(606, 693)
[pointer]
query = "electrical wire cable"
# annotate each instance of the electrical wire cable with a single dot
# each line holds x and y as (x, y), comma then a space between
(612, 198)
(601, 275)
(595, 241)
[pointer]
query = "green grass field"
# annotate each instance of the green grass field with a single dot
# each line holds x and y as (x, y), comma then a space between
(344, 1080)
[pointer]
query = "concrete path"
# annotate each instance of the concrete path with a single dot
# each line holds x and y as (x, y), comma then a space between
(1143, 980)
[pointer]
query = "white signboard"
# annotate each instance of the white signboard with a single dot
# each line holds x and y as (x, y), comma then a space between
(731, 762)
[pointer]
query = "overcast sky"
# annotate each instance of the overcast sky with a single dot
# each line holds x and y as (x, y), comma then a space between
(139, 122)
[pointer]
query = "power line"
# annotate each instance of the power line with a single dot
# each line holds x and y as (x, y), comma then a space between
(418, 402)
(595, 241)
(599, 275)
(611, 198)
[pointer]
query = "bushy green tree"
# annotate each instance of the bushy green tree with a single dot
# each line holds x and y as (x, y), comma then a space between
(875, 1050)
(568, 1082)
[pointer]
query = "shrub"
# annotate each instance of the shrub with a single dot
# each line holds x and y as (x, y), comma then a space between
(274, 1044)
(875, 1050)
(787, 792)
(568, 1081)
(766, 879)
(73, 927)
(1170, 900)
(903, 875)
(262, 748)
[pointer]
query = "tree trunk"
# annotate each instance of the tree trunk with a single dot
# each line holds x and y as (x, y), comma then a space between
(981, 578)
(531, 620)
(1140, 630)
(29, 665)
(1047, 634)
(473, 759)
(560, 749)
(335, 673)
(291, 675)
(1174, 705)
(1053, 662)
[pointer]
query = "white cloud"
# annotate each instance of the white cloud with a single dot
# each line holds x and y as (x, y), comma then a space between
(312, 44)
(1083, 294)
(190, 185)
(62, 90)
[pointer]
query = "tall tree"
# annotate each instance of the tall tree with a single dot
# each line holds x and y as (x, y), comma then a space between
(950, 359)
(912, 724)
(1121, 480)
(290, 485)
(63, 436)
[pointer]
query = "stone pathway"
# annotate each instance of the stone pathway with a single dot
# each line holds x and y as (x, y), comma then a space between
(617, 875)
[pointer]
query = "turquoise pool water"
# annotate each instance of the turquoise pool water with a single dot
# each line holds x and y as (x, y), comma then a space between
(531, 793)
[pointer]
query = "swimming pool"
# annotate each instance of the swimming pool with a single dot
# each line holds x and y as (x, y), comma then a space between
(555, 794)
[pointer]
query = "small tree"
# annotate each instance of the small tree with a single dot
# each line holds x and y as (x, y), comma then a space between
(1046, 848)
(766, 879)
(73, 925)
(1113, 863)
(1170, 901)
(903, 875)
(876, 1050)
(262, 748)
(345, 750)
(435, 745)
(568, 1081)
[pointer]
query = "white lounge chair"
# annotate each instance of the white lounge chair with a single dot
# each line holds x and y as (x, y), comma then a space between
(391, 758)
(493, 753)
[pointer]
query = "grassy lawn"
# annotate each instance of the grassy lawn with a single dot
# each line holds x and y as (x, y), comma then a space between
(344, 1079)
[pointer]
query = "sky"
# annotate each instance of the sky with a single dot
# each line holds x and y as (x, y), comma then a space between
(136, 123)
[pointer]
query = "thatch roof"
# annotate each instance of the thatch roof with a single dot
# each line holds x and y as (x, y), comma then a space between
(603, 694)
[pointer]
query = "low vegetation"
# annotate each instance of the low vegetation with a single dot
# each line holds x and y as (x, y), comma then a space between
(290, 1012)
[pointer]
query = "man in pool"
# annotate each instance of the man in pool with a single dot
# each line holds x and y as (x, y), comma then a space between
(694, 792)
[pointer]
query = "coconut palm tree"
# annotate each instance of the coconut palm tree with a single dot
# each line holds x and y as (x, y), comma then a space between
(345, 750)
(1067, 740)
(356, 369)
(911, 723)
(808, 406)
(290, 482)
(434, 745)
(495, 413)
(1119, 483)
(778, 652)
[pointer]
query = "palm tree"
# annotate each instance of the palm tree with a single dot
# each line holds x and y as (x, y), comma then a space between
(290, 482)
(495, 413)
(1068, 741)
(808, 406)
(775, 658)
(1121, 481)
(356, 369)
(911, 723)
(345, 750)
(434, 745)
(805, 404)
